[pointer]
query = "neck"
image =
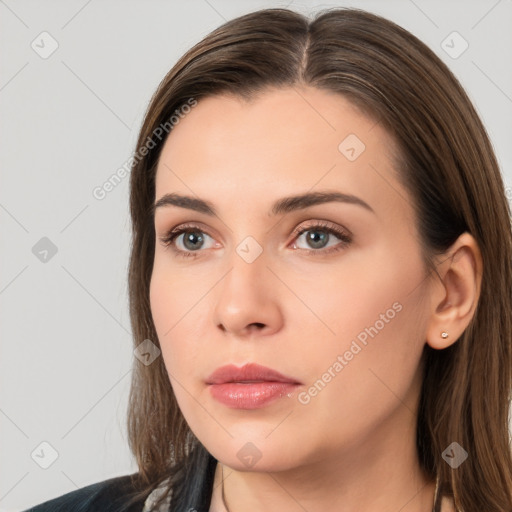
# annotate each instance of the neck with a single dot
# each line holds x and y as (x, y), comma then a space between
(381, 474)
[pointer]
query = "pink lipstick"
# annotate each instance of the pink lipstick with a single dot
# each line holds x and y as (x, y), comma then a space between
(250, 387)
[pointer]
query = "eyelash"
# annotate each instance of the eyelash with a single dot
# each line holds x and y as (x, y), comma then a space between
(168, 239)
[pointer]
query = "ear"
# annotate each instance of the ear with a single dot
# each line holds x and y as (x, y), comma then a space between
(455, 292)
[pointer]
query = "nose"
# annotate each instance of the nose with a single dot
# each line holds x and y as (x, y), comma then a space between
(247, 302)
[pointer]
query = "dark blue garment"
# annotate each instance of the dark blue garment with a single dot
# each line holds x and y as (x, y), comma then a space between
(194, 489)
(105, 496)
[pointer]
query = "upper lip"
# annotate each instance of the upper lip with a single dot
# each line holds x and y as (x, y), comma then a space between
(250, 372)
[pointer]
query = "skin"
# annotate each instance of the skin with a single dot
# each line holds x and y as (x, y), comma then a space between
(352, 446)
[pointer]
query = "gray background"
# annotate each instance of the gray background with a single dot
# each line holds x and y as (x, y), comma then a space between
(68, 122)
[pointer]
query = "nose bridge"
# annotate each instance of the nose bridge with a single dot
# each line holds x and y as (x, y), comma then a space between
(248, 257)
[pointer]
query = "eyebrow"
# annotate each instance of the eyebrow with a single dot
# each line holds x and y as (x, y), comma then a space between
(283, 205)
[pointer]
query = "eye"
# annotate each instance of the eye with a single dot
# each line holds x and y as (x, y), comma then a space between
(193, 240)
(319, 235)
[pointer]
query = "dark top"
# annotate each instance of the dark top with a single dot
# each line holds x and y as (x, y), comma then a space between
(104, 496)
(194, 491)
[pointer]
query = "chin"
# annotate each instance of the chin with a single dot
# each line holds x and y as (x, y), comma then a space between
(257, 454)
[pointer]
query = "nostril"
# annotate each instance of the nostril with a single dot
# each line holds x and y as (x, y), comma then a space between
(254, 325)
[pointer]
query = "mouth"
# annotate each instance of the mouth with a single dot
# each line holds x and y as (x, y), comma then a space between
(251, 386)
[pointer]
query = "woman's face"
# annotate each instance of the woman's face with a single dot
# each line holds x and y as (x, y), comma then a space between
(340, 310)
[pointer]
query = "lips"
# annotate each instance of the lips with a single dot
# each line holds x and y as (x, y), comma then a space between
(250, 387)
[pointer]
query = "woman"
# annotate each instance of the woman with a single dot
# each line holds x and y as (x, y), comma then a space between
(321, 274)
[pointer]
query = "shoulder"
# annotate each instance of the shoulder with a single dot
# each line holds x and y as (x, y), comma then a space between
(107, 496)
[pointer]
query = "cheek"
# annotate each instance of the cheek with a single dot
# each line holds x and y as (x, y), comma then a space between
(172, 295)
(175, 302)
(367, 291)
(369, 368)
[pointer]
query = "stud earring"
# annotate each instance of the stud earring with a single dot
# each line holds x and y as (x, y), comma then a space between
(444, 335)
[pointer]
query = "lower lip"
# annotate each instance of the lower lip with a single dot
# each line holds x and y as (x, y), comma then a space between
(252, 395)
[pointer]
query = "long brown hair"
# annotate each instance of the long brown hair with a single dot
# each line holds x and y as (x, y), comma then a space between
(448, 165)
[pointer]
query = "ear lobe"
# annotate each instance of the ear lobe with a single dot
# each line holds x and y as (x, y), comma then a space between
(455, 292)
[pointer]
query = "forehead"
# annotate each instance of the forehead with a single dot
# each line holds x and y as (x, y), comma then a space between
(282, 138)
